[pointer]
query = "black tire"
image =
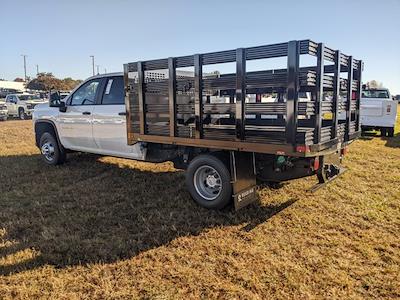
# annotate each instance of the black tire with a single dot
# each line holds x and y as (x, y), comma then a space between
(383, 131)
(390, 132)
(48, 142)
(21, 114)
(199, 165)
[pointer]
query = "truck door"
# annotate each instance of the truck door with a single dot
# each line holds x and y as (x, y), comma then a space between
(76, 124)
(11, 102)
(109, 121)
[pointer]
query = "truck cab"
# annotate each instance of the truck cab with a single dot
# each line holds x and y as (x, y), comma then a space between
(92, 119)
(22, 105)
(378, 111)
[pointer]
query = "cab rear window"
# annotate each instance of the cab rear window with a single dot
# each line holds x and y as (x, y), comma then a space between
(375, 94)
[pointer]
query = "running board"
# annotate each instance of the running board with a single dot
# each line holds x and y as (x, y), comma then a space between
(320, 185)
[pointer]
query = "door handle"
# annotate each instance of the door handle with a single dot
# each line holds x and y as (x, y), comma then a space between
(86, 113)
(122, 113)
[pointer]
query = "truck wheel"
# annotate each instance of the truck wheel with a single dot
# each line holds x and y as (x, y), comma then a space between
(383, 131)
(209, 182)
(390, 132)
(21, 114)
(52, 152)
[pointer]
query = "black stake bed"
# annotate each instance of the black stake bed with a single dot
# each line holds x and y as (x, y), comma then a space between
(174, 101)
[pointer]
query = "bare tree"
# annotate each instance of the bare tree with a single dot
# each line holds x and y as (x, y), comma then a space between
(374, 84)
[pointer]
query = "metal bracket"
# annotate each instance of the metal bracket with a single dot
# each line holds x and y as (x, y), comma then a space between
(328, 180)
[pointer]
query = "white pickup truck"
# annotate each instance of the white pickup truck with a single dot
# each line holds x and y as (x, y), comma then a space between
(219, 128)
(378, 111)
(22, 105)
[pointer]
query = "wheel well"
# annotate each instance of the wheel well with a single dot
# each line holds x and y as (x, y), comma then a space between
(43, 127)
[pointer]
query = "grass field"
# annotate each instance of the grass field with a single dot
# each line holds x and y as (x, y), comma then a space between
(101, 227)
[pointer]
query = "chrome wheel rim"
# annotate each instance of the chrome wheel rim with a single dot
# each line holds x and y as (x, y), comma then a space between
(48, 151)
(207, 182)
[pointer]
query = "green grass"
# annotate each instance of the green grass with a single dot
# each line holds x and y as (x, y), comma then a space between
(101, 227)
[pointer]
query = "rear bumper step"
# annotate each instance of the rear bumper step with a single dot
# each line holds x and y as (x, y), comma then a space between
(319, 185)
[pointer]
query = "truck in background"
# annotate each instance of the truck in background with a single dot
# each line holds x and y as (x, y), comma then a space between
(22, 105)
(378, 111)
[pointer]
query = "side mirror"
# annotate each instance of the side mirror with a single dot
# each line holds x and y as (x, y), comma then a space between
(54, 99)
(62, 107)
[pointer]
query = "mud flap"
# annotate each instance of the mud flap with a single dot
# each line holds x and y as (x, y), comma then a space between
(243, 174)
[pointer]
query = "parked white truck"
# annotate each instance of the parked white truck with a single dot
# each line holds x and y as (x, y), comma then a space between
(378, 111)
(154, 112)
(22, 105)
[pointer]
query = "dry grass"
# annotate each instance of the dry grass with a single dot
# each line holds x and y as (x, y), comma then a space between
(112, 228)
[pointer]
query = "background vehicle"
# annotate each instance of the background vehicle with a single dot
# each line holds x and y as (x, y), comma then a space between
(4, 92)
(3, 111)
(216, 126)
(378, 111)
(22, 105)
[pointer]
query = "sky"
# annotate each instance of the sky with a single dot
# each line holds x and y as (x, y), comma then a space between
(60, 36)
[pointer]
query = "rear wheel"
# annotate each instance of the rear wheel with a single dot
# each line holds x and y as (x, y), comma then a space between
(390, 132)
(52, 152)
(208, 181)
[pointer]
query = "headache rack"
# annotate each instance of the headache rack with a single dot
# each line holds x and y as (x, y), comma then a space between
(295, 110)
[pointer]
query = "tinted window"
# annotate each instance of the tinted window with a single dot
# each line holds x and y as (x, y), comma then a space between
(28, 97)
(114, 91)
(375, 94)
(11, 98)
(86, 94)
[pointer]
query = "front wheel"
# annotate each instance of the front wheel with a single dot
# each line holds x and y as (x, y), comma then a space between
(52, 152)
(21, 114)
(208, 181)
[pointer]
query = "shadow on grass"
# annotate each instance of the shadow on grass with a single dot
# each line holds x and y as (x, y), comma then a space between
(88, 211)
(393, 142)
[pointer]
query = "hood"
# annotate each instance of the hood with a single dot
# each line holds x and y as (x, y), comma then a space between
(38, 101)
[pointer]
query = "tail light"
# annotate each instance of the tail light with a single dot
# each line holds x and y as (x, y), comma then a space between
(388, 108)
(343, 151)
(316, 163)
(303, 149)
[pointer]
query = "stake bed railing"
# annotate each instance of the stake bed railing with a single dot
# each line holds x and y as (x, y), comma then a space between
(174, 101)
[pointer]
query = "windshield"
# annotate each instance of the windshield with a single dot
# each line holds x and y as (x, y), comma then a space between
(375, 94)
(28, 97)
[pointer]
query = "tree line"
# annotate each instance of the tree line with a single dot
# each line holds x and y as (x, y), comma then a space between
(47, 81)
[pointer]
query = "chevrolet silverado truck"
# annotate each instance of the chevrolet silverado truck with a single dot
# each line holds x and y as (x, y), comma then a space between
(378, 111)
(220, 127)
(22, 105)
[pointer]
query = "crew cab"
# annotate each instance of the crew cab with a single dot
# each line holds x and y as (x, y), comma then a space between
(378, 111)
(222, 128)
(22, 105)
